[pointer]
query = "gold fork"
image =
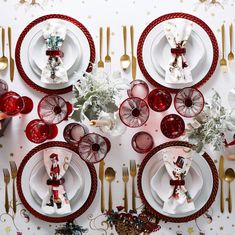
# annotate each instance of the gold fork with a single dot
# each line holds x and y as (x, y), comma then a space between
(223, 62)
(133, 175)
(13, 176)
(6, 180)
(230, 54)
(125, 178)
(100, 62)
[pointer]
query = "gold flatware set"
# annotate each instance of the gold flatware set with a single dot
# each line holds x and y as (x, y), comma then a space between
(7, 178)
(227, 176)
(4, 61)
(223, 60)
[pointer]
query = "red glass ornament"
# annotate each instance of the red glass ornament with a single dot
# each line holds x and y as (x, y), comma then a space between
(134, 112)
(142, 142)
(93, 147)
(53, 109)
(172, 126)
(38, 131)
(189, 102)
(159, 100)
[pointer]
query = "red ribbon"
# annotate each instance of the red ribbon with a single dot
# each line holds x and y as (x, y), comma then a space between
(55, 183)
(178, 51)
(54, 53)
(177, 182)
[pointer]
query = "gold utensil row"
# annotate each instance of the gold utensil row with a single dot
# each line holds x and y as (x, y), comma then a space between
(7, 181)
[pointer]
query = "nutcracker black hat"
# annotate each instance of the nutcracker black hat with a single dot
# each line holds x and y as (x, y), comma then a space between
(179, 162)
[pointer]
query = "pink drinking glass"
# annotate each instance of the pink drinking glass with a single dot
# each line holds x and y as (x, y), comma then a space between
(38, 131)
(13, 104)
(172, 126)
(93, 147)
(53, 109)
(139, 89)
(159, 100)
(3, 87)
(189, 102)
(73, 132)
(142, 142)
(134, 112)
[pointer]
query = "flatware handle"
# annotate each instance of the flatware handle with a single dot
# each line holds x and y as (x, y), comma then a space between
(229, 199)
(6, 199)
(222, 197)
(9, 40)
(102, 197)
(3, 41)
(132, 40)
(108, 40)
(133, 194)
(125, 198)
(124, 38)
(110, 197)
(223, 39)
(101, 42)
(14, 196)
(231, 37)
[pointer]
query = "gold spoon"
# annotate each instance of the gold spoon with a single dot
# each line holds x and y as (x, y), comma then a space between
(223, 62)
(3, 59)
(125, 59)
(110, 176)
(229, 177)
(231, 55)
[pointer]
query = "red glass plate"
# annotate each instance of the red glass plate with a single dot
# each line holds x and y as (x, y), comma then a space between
(26, 31)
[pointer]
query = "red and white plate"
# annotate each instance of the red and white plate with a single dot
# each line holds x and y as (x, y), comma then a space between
(154, 52)
(81, 195)
(78, 48)
(202, 200)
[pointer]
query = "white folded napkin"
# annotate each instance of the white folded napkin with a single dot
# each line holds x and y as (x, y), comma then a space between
(177, 164)
(177, 33)
(54, 34)
(56, 161)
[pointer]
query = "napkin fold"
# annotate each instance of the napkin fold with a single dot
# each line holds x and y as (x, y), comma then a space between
(54, 34)
(177, 33)
(56, 162)
(177, 166)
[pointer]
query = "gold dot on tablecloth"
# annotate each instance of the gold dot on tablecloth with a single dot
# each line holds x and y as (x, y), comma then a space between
(211, 229)
(221, 228)
(148, 13)
(89, 17)
(11, 154)
(1, 145)
(215, 161)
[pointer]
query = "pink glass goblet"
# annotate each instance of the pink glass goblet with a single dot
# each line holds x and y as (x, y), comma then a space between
(38, 131)
(159, 100)
(139, 89)
(172, 126)
(12, 104)
(53, 109)
(134, 112)
(189, 102)
(3, 87)
(142, 142)
(73, 132)
(93, 147)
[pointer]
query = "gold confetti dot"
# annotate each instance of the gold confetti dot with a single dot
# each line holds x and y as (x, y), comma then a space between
(148, 12)
(1, 145)
(11, 154)
(221, 228)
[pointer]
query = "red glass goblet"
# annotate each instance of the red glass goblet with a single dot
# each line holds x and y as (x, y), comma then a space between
(139, 89)
(93, 147)
(73, 132)
(38, 131)
(159, 100)
(189, 102)
(3, 87)
(134, 112)
(142, 142)
(12, 104)
(53, 109)
(172, 126)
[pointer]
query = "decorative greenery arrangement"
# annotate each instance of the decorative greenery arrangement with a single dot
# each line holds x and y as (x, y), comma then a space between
(70, 229)
(210, 126)
(132, 223)
(210, 3)
(94, 93)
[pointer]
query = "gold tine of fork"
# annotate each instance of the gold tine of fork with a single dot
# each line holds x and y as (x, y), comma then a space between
(13, 176)
(125, 178)
(6, 181)
(133, 173)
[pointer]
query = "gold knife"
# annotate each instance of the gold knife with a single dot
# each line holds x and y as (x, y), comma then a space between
(221, 177)
(12, 62)
(133, 58)
(101, 178)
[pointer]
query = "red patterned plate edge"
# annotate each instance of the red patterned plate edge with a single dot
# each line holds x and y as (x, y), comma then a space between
(19, 44)
(173, 16)
(63, 219)
(199, 212)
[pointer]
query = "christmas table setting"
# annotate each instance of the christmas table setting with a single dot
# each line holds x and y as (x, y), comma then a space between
(117, 117)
